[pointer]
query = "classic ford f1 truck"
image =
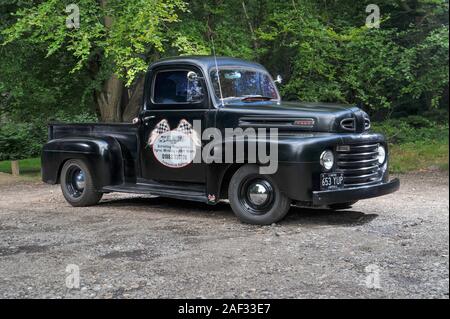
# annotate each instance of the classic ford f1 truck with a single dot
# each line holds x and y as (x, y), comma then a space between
(203, 124)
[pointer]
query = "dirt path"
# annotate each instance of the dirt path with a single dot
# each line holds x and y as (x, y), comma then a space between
(132, 246)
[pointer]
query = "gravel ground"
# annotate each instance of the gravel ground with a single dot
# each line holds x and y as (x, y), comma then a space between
(139, 247)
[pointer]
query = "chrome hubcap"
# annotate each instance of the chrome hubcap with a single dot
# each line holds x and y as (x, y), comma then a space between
(75, 181)
(79, 180)
(258, 194)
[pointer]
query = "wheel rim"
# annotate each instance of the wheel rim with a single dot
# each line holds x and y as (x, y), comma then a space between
(256, 195)
(75, 181)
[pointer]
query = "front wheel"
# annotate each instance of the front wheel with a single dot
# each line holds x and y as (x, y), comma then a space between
(77, 184)
(256, 198)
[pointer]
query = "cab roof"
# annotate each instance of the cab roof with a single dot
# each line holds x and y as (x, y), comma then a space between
(206, 62)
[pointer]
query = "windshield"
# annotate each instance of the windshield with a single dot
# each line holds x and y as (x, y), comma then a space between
(239, 83)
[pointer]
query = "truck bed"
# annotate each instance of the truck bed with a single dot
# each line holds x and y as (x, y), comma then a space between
(125, 133)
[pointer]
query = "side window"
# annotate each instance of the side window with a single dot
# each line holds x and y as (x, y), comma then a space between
(173, 87)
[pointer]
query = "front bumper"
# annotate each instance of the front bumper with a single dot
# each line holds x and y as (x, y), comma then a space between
(321, 198)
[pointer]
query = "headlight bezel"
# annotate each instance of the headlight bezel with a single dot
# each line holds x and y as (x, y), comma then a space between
(325, 160)
(382, 154)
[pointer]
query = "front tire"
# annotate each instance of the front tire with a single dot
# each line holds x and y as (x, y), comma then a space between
(255, 198)
(77, 184)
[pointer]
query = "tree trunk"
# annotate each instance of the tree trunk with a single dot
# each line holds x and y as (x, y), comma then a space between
(15, 168)
(109, 100)
(135, 103)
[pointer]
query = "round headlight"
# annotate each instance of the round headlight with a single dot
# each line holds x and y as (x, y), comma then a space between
(327, 160)
(381, 154)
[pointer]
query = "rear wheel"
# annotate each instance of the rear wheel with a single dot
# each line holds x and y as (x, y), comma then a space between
(77, 184)
(256, 198)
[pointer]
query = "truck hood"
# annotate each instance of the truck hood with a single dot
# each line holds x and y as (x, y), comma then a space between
(295, 116)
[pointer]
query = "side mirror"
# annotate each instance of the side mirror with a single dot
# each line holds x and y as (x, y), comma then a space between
(279, 79)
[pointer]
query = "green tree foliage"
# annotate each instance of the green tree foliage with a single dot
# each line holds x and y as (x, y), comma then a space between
(322, 49)
(121, 32)
(325, 52)
(35, 89)
(115, 41)
(17, 141)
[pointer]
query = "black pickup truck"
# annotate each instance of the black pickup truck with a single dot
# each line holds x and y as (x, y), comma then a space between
(213, 129)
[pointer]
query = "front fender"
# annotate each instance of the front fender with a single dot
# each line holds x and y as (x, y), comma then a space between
(102, 154)
(298, 160)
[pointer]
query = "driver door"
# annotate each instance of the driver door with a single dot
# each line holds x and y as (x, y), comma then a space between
(168, 137)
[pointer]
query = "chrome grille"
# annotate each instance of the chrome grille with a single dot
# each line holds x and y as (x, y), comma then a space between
(359, 164)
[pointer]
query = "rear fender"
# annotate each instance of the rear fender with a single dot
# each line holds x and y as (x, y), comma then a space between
(102, 154)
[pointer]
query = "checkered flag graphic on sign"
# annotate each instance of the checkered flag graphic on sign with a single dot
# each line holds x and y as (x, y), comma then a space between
(186, 128)
(160, 128)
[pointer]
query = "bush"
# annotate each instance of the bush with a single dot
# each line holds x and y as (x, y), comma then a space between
(64, 117)
(25, 140)
(412, 129)
(18, 141)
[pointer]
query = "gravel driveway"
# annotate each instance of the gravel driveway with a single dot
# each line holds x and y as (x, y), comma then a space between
(140, 247)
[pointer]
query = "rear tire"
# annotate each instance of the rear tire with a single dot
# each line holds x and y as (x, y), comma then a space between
(77, 184)
(341, 206)
(255, 198)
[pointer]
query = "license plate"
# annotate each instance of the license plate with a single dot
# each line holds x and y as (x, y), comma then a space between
(331, 181)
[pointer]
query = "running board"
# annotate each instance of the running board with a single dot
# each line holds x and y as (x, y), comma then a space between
(184, 192)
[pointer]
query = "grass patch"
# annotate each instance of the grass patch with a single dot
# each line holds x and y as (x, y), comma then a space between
(28, 167)
(419, 156)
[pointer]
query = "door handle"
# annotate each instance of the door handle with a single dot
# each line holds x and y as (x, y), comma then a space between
(148, 118)
(137, 120)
